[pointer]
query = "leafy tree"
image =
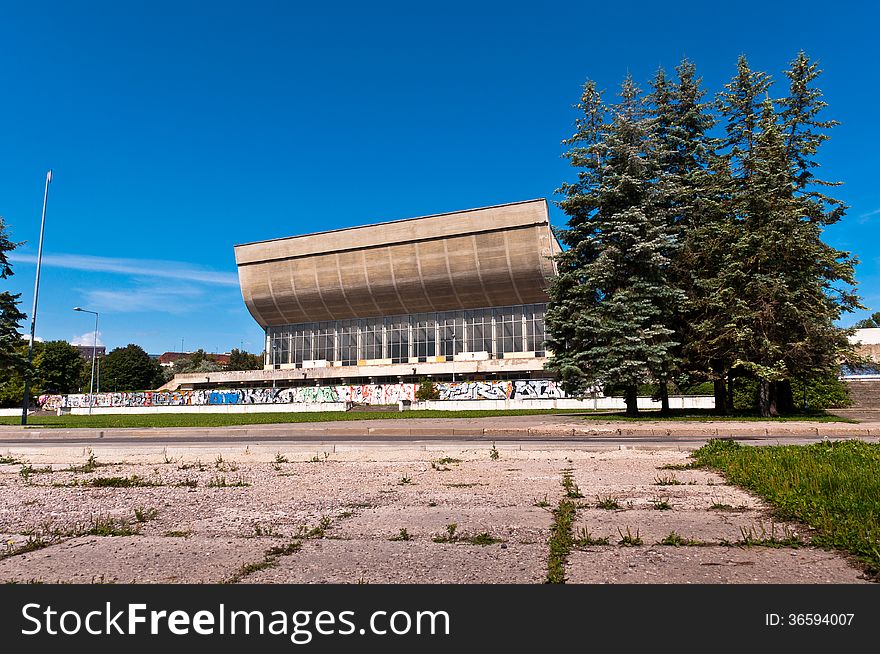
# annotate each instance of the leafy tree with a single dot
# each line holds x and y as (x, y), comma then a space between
(198, 361)
(130, 368)
(58, 367)
(619, 220)
(427, 391)
(241, 360)
(11, 358)
(869, 323)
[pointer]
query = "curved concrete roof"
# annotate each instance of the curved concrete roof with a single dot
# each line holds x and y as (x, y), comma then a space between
(494, 256)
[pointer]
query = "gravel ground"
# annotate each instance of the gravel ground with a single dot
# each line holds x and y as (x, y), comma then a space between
(382, 515)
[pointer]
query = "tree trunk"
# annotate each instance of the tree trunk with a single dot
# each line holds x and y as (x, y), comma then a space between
(764, 398)
(720, 396)
(784, 397)
(664, 399)
(632, 407)
(730, 379)
(767, 400)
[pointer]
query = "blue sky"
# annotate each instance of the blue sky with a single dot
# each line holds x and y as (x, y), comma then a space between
(178, 129)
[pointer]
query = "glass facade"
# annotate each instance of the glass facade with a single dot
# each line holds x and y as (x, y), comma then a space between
(412, 337)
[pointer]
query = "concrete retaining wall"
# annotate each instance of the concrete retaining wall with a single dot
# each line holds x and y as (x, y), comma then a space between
(211, 408)
(599, 403)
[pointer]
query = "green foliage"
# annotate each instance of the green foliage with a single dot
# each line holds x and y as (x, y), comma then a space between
(610, 305)
(834, 487)
(427, 391)
(870, 322)
(11, 358)
(692, 255)
(200, 361)
(241, 360)
(825, 392)
(130, 368)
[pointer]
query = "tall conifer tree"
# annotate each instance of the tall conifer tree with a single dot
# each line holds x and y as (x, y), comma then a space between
(621, 242)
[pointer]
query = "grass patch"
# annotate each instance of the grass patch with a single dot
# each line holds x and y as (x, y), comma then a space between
(108, 526)
(661, 504)
(32, 544)
(220, 481)
(270, 559)
(464, 485)
(666, 480)
(607, 503)
(120, 482)
(677, 540)
(494, 454)
(834, 487)
(177, 534)
(90, 465)
(233, 419)
(561, 540)
(404, 481)
(678, 466)
(403, 534)
(9, 460)
(629, 539)
(542, 504)
(145, 515)
(572, 491)
(484, 538)
(585, 539)
(706, 415)
(450, 536)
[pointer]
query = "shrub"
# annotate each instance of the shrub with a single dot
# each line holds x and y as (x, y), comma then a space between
(427, 391)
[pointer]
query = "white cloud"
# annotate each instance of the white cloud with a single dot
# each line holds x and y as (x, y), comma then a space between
(27, 337)
(87, 339)
(178, 270)
(176, 299)
(863, 218)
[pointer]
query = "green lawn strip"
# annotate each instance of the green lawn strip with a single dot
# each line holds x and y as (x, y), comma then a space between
(834, 487)
(230, 419)
(706, 415)
(233, 419)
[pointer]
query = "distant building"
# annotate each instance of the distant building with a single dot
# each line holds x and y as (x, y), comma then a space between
(867, 342)
(86, 351)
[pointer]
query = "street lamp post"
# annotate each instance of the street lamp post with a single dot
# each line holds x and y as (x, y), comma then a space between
(94, 357)
(27, 377)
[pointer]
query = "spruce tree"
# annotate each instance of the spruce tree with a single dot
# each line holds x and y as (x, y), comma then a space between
(608, 307)
(11, 359)
(686, 152)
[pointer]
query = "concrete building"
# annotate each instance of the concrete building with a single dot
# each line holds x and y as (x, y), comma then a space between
(450, 297)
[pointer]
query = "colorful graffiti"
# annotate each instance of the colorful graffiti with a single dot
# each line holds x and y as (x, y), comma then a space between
(523, 389)
(359, 394)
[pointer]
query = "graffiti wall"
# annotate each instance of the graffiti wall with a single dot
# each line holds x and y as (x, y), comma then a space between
(538, 389)
(523, 389)
(361, 394)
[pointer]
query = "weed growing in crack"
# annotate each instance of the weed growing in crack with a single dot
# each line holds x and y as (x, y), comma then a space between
(628, 539)
(608, 503)
(541, 504)
(585, 539)
(403, 534)
(145, 515)
(484, 538)
(661, 504)
(219, 481)
(561, 541)
(270, 559)
(666, 480)
(450, 536)
(494, 454)
(404, 481)
(571, 489)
